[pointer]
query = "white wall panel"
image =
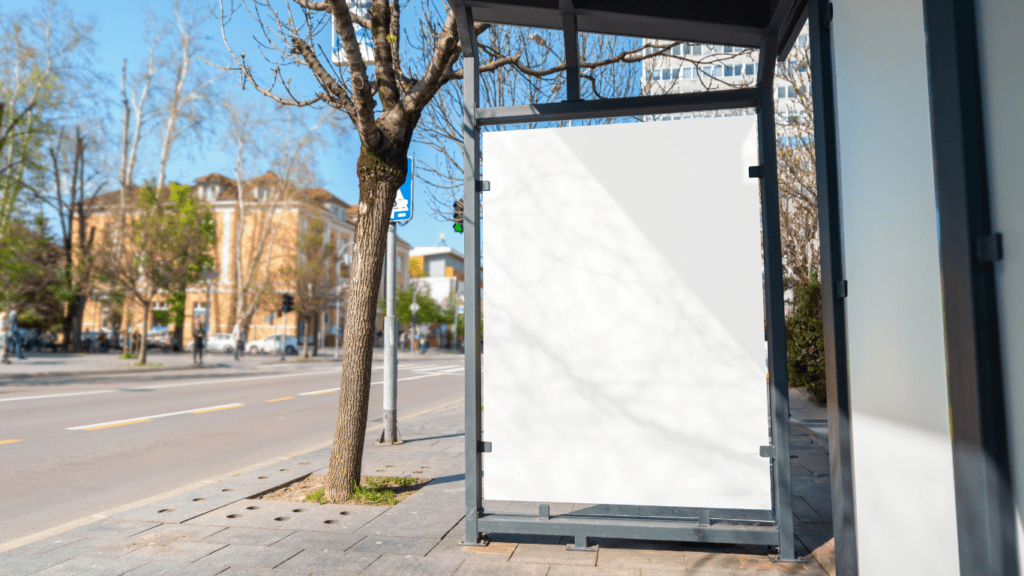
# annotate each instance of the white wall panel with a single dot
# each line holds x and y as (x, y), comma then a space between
(902, 453)
(1001, 49)
(623, 318)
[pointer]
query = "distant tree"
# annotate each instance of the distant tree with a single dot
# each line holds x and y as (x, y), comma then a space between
(805, 339)
(313, 277)
(429, 310)
(32, 277)
(168, 237)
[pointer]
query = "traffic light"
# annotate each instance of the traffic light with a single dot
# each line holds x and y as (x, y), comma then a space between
(457, 217)
(287, 303)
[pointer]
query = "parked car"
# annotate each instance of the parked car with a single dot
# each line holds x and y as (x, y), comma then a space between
(272, 345)
(216, 342)
(162, 337)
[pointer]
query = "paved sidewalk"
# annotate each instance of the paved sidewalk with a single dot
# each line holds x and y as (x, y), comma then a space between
(220, 530)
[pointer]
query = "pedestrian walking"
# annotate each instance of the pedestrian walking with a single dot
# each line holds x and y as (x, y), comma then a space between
(3, 338)
(236, 336)
(12, 322)
(198, 335)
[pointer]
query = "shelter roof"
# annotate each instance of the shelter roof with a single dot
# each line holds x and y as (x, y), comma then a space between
(725, 22)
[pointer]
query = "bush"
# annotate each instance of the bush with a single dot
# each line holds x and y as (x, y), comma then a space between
(805, 339)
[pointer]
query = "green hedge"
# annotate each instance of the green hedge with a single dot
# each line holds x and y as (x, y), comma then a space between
(805, 339)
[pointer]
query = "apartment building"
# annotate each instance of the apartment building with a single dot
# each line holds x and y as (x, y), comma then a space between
(275, 216)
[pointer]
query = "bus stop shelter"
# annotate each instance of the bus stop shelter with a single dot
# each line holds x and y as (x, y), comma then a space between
(921, 227)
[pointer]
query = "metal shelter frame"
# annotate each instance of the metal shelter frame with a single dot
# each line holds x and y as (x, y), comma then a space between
(710, 525)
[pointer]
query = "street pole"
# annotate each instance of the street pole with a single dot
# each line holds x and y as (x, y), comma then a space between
(390, 433)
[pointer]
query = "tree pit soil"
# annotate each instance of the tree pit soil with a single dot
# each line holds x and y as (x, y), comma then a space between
(297, 490)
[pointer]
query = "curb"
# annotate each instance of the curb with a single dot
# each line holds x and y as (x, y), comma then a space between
(125, 370)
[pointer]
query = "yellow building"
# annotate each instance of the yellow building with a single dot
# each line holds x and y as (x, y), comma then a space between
(253, 261)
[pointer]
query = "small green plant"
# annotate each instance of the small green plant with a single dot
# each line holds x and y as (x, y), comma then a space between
(373, 494)
(317, 497)
(148, 365)
(128, 356)
(303, 463)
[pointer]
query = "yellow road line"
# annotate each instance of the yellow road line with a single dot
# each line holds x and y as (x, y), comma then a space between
(218, 408)
(279, 399)
(9, 441)
(118, 424)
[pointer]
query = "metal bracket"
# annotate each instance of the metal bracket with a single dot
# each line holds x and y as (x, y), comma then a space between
(767, 451)
(756, 171)
(826, 16)
(544, 513)
(704, 517)
(581, 544)
(989, 248)
(483, 185)
(841, 289)
(483, 446)
(481, 544)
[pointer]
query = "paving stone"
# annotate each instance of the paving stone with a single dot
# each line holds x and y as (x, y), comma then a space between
(712, 563)
(91, 567)
(641, 555)
(332, 518)
(480, 568)
(808, 566)
(333, 562)
(110, 529)
(563, 570)
(396, 545)
(247, 536)
(251, 556)
(180, 552)
(668, 572)
(22, 565)
(168, 569)
(245, 571)
(317, 541)
(178, 509)
(425, 521)
(389, 565)
(47, 544)
(98, 548)
(552, 554)
(169, 533)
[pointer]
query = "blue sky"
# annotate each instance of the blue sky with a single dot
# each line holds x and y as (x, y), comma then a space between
(120, 34)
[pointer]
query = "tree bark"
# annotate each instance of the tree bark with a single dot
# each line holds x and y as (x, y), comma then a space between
(145, 332)
(379, 179)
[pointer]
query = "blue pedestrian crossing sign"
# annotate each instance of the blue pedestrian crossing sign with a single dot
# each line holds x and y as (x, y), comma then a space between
(402, 210)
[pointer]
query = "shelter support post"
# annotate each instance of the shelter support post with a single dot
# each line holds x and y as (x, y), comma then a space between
(471, 173)
(968, 251)
(774, 311)
(833, 291)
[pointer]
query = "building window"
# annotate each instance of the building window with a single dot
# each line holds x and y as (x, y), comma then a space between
(688, 72)
(718, 71)
(750, 69)
(697, 49)
(656, 74)
(707, 71)
(675, 50)
(675, 73)
(733, 70)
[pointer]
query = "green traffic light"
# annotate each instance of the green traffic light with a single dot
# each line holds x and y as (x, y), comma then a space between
(458, 226)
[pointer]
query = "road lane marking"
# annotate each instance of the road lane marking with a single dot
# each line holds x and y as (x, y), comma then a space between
(319, 392)
(102, 426)
(200, 410)
(371, 384)
(160, 386)
(216, 408)
(279, 399)
(9, 441)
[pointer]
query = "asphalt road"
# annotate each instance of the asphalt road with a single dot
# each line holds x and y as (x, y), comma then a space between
(74, 447)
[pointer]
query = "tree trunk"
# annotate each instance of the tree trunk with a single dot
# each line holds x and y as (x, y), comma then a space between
(304, 334)
(378, 183)
(145, 332)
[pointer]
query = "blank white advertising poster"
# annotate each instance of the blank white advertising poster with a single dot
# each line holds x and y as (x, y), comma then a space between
(623, 316)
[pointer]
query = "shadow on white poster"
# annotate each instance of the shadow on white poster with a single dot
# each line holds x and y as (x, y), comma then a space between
(624, 318)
